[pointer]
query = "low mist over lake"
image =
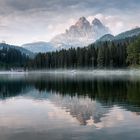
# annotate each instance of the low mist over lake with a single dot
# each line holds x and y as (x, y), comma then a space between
(69, 70)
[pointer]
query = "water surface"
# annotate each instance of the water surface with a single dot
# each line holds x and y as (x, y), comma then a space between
(69, 106)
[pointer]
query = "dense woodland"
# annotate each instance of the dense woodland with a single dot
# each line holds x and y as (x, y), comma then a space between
(10, 58)
(111, 54)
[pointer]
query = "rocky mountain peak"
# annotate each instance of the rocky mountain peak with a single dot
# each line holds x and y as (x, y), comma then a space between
(82, 22)
(81, 33)
(96, 22)
(82, 19)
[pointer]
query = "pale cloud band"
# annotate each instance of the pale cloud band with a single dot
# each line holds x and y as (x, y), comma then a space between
(24, 21)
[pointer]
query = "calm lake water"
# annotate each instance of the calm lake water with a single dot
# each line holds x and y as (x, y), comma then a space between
(70, 106)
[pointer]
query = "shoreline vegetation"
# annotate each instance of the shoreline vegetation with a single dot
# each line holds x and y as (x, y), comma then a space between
(102, 55)
(117, 54)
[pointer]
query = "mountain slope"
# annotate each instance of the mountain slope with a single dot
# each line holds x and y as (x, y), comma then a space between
(107, 37)
(21, 49)
(10, 57)
(39, 47)
(130, 33)
(127, 34)
(99, 29)
(81, 34)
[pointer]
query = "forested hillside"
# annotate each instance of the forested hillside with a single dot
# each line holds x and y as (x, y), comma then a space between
(133, 52)
(111, 54)
(104, 54)
(10, 58)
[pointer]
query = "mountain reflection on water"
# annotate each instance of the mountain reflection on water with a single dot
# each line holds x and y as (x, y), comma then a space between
(102, 102)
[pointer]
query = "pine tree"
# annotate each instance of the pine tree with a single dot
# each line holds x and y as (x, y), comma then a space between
(133, 52)
(101, 58)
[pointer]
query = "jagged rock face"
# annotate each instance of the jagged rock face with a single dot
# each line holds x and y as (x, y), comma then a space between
(81, 34)
(82, 28)
(99, 29)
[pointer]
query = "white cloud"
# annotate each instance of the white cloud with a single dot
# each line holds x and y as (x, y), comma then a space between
(29, 20)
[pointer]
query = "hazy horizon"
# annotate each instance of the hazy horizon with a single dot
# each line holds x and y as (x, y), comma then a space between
(32, 20)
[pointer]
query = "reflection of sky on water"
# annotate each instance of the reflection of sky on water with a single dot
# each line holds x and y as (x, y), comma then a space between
(40, 107)
(28, 112)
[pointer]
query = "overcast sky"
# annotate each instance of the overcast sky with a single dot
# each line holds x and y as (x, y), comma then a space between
(24, 21)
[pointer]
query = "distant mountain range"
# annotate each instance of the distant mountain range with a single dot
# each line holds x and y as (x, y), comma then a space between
(39, 47)
(81, 34)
